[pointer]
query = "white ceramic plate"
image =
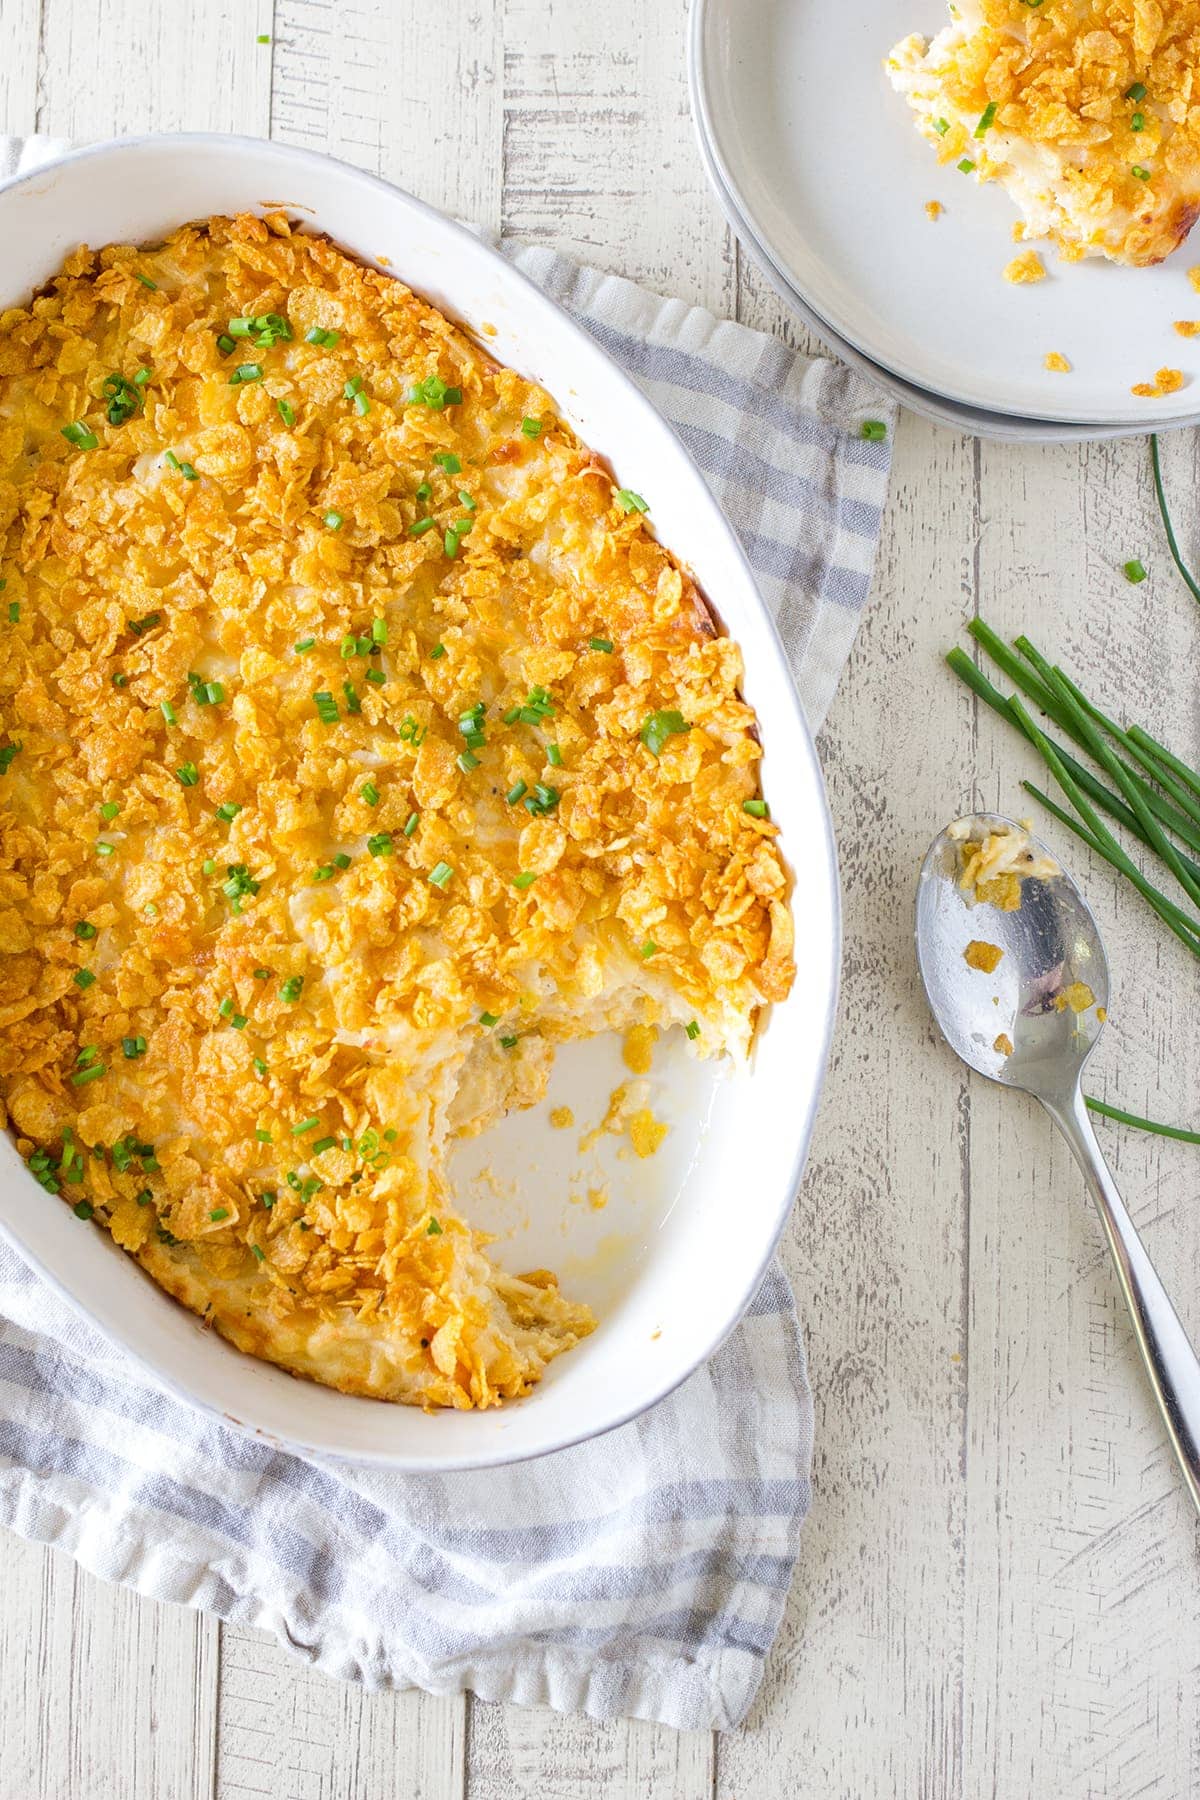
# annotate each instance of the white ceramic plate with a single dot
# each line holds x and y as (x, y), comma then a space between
(824, 161)
(1002, 427)
(674, 1258)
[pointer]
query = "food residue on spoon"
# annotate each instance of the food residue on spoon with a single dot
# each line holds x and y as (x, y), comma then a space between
(979, 955)
(1003, 1045)
(994, 866)
(1077, 995)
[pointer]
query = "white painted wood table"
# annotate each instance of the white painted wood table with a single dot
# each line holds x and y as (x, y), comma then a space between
(998, 1593)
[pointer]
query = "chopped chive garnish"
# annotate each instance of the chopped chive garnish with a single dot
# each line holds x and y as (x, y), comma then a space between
(1140, 172)
(84, 929)
(109, 810)
(168, 712)
(487, 1020)
(380, 844)
(531, 428)
(447, 460)
(260, 1067)
(321, 1145)
(226, 1007)
(1136, 92)
(14, 611)
(467, 760)
(1138, 122)
(353, 703)
(602, 645)
(83, 978)
(516, 793)
(208, 866)
(450, 543)
(81, 1077)
(264, 1137)
(440, 874)
(83, 1209)
(119, 680)
(256, 1250)
(1135, 571)
(327, 707)
(434, 393)
(145, 1197)
(509, 1043)
(629, 502)
(218, 1214)
(410, 824)
(341, 860)
(262, 974)
(352, 387)
(303, 647)
(362, 405)
(370, 793)
(187, 774)
(140, 626)
(309, 1124)
(692, 1028)
(290, 989)
(79, 435)
(525, 879)
(145, 281)
(333, 520)
(326, 339)
(433, 1229)
(438, 650)
(239, 1021)
(554, 756)
(324, 873)
(225, 344)
(421, 527)
(105, 849)
(965, 166)
(376, 677)
(286, 411)
(659, 726)
(757, 809)
(987, 119)
(379, 631)
(874, 430)
(466, 499)
(941, 126)
(246, 372)
(228, 810)
(124, 400)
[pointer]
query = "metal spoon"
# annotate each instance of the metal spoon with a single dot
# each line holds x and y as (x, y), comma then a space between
(1049, 943)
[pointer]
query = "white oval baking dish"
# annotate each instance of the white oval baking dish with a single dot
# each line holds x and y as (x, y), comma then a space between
(690, 1259)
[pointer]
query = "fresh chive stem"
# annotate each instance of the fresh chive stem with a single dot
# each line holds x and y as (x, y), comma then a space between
(1140, 1124)
(1172, 543)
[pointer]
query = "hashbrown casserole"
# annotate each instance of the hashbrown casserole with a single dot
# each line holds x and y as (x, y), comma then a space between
(358, 743)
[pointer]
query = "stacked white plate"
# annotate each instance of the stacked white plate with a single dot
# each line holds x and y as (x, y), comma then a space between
(820, 169)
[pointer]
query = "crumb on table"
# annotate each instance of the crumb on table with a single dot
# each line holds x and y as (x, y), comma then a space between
(1056, 363)
(979, 955)
(562, 1118)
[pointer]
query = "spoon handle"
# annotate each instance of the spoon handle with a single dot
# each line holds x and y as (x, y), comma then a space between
(1170, 1360)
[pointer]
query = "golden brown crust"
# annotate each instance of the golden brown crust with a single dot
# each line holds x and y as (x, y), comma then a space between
(301, 1000)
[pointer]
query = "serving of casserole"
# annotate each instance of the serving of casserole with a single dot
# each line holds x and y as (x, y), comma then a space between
(361, 743)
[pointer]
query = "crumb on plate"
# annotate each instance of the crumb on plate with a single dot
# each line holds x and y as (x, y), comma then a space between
(562, 1118)
(934, 209)
(1188, 327)
(1056, 363)
(1025, 269)
(1166, 381)
(1003, 1045)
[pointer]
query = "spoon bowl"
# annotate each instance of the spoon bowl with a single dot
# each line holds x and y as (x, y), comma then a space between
(1051, 950)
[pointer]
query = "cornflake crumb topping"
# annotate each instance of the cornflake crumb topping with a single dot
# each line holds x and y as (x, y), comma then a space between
(359, 744)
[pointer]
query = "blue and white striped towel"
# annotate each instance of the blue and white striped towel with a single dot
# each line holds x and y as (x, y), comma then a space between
(642, 1575)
